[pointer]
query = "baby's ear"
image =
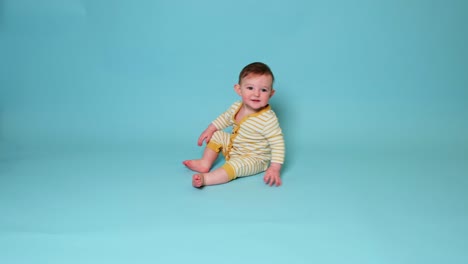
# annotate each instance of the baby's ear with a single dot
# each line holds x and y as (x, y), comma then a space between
(237, 88)
(272, 92)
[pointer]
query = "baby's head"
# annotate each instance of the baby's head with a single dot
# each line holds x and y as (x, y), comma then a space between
(256, 68)
(255, 86)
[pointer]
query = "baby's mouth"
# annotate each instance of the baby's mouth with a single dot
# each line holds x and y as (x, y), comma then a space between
(255, 100)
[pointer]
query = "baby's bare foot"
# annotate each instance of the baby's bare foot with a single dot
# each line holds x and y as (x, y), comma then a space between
(196, 165)
(197, 180)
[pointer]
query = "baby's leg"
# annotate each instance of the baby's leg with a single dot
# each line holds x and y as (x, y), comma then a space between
(217, 143)
(236, 167)
(246, 166)
(204, 164)
(218, 176)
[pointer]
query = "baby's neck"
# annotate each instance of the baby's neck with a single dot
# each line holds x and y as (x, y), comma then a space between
(245, 111)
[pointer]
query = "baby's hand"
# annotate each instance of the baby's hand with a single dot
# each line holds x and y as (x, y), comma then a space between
(207, 134)
(272, 176)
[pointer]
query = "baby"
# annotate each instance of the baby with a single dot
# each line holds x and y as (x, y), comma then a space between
(256, 143)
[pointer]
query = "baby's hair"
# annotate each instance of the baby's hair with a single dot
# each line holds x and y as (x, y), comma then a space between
(259, 68)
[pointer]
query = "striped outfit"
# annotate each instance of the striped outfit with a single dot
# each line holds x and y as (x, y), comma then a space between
(255, 141)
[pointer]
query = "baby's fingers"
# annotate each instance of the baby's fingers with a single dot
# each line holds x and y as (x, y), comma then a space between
(271, 180)
(267, 179)
(200, 140)
(278, 181)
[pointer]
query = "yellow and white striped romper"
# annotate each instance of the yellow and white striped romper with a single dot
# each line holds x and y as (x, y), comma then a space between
(254, 142)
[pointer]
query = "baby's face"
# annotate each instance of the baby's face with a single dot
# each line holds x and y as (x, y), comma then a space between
(255, 91)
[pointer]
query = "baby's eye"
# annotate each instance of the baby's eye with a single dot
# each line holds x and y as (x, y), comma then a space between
(249, 88)
(264, 90)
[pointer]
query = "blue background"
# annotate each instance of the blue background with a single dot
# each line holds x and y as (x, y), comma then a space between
(101, 100)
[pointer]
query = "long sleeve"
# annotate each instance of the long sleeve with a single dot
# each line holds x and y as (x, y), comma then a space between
(273, 133)
(226, 119)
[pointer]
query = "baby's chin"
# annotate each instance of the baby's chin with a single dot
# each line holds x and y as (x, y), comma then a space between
(256, 105)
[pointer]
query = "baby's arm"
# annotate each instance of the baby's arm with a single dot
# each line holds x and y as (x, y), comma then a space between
(207, 134)
(272, 174)
(221, 122)
(275, 139)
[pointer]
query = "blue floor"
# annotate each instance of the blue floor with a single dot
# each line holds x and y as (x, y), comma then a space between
(102, 100)
(130, 206)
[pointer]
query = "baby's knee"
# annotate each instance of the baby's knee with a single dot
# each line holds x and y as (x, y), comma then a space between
(230, 170)
(244, 167)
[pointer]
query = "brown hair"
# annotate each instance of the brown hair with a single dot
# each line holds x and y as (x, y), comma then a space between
(259, 68)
